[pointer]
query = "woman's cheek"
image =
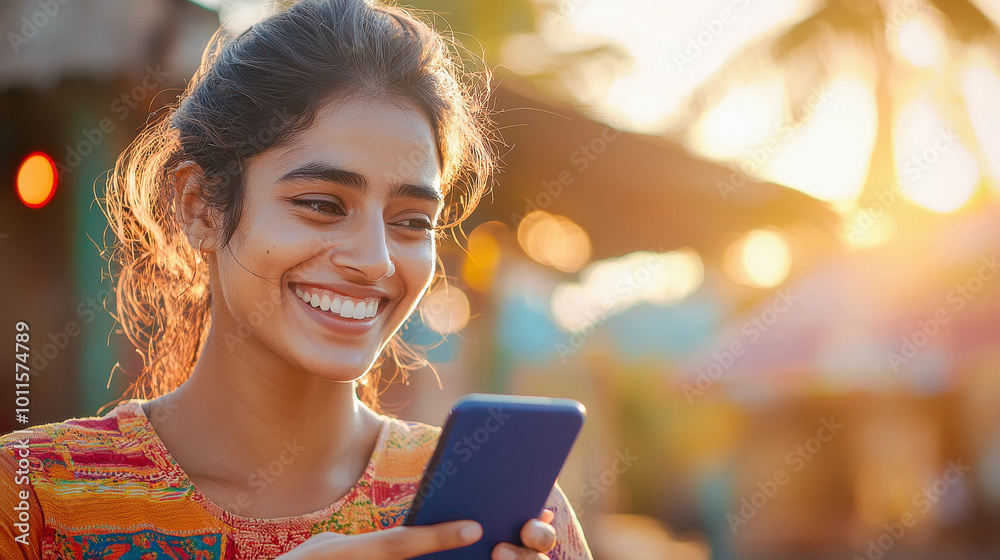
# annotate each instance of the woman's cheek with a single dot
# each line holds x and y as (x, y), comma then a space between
(427, 261)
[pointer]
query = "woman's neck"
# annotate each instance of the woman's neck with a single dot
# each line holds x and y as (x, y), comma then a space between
(240, 411)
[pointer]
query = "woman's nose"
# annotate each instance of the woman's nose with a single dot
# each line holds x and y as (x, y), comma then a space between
(364, 249)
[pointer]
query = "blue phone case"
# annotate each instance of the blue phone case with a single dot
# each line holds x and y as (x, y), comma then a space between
(496, 462)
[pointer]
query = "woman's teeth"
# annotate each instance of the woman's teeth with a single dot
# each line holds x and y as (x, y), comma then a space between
(337, 304)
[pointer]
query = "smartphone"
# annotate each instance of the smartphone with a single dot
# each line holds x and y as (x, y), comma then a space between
(496, 462)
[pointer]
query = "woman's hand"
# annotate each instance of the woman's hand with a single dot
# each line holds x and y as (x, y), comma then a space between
(538, 537)
(398, 543)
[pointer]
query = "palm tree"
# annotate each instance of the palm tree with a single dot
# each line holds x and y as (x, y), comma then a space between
(807, 54)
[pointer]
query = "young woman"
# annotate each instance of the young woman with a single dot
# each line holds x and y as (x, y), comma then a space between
(274, 233)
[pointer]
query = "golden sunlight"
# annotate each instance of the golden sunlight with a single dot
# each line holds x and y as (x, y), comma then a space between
(870, 227)
(920, 41)
(935, 169)
(674, 47)
(827, 154)
(741, 121)
(981, 90)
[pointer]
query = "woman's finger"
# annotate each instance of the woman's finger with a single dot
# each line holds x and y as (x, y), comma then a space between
(507, 551)
(400, 543)
(538, 535)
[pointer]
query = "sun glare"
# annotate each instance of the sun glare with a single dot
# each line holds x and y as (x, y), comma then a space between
(827, 155)
(935, 169)
(920, 41)
(673, 48)
(742, 120)
(981, 90)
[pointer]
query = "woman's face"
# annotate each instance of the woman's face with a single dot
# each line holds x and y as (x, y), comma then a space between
(324, 215)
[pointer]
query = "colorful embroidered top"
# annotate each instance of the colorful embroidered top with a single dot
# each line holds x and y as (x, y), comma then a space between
(107, 488)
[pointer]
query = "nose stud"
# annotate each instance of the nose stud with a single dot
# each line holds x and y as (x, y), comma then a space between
(392, 270)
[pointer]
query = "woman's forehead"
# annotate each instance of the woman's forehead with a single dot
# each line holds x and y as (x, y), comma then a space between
(386, 142)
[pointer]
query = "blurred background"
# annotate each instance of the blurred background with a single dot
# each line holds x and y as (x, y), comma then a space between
(758, 239)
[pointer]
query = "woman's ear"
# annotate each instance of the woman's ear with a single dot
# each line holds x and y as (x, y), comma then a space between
(197, 219)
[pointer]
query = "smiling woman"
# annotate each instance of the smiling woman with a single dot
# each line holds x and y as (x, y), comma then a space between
(274, 232)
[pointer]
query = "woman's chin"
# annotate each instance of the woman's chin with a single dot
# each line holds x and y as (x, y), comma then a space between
(346, 370)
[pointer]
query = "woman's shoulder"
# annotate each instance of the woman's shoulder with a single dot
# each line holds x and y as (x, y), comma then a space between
(406, 448)
(58, 447)
(410, 435)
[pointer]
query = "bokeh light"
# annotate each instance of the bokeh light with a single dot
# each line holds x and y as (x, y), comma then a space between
(611, 286)
(483, 256)
(762, 259)
(445, 310)
(554, 241)
(36, 180)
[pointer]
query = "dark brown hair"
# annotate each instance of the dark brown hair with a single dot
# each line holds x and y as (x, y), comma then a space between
(251, 93)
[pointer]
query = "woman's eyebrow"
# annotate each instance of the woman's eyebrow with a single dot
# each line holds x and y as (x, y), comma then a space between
(423, 192)
(318, 170)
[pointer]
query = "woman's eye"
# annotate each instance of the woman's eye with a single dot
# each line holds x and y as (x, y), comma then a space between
(417, 223)
(318, 206)
(417, 227)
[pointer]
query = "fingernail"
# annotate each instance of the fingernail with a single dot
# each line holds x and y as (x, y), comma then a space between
(472, 532)
(507, 554)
